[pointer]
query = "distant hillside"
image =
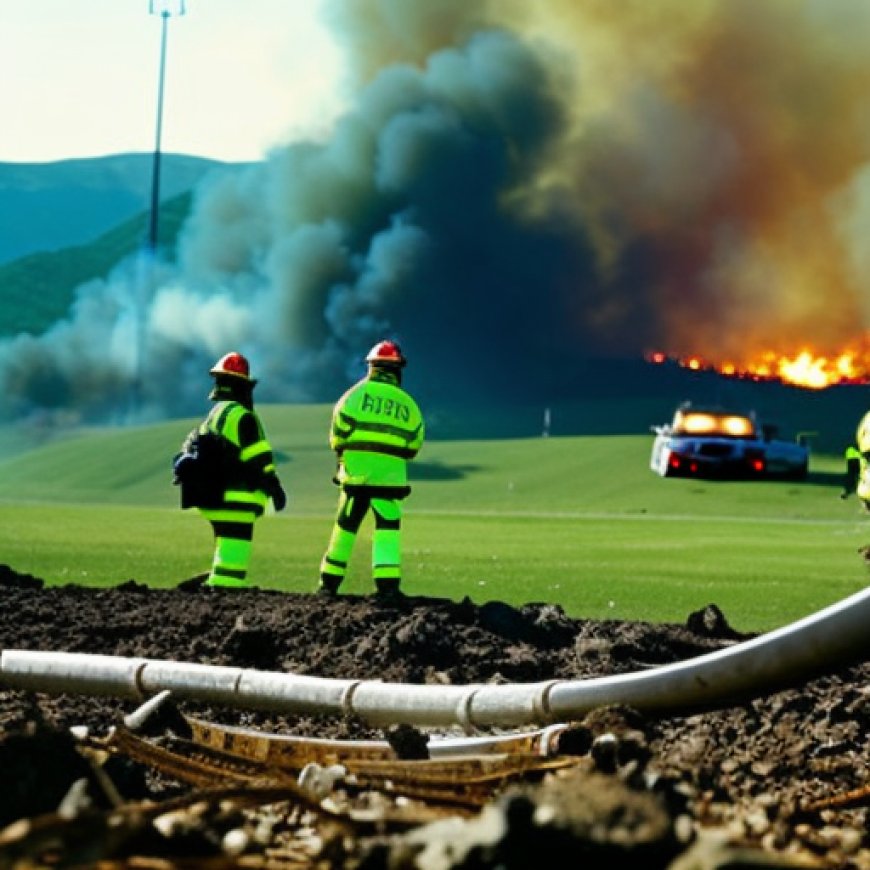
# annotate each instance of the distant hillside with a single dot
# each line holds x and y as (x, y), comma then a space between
(50, 206)
(628, 396)
(37, 290)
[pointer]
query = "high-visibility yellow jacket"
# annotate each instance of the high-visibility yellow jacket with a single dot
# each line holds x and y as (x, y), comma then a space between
(250, 479)
(376, 428)
(858, 461)
(862, 434)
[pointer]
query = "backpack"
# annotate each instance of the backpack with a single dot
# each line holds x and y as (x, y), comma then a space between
(202, 469)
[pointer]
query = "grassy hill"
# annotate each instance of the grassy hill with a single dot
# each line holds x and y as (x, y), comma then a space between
(65, 223)
(598, 473)
(37, 290)
(66, 203)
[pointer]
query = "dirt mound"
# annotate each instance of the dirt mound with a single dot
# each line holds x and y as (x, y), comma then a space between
(751, 770)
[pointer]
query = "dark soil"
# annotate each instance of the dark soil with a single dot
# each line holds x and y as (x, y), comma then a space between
(752, 772)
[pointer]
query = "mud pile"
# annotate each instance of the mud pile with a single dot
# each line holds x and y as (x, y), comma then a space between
(782, 773)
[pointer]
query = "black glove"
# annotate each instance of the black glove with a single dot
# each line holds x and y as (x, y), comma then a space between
(181, 465)
(278, 496)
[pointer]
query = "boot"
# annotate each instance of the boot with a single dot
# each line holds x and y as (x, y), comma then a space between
(329, 584)
(195, 583)
(387, 589)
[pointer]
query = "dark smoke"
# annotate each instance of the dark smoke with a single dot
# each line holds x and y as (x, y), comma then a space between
(517, 187)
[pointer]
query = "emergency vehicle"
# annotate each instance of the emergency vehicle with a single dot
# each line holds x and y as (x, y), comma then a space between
(715, 442)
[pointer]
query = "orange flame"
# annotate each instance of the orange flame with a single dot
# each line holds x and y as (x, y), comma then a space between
(806, 368)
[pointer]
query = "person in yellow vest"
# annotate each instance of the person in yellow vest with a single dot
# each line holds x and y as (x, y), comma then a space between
(241, 471)
(858, 464)
(376, 428)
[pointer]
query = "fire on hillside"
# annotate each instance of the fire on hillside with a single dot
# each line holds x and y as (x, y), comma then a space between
(806, 368)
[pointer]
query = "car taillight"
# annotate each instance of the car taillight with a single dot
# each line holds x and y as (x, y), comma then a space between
(682, 463)
(757, 465)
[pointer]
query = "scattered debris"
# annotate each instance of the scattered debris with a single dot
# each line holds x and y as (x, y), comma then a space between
(778, 781)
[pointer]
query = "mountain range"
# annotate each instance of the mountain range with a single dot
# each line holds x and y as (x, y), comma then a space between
(49, 206)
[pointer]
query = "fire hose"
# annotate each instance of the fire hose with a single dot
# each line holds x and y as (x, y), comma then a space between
(824, 641)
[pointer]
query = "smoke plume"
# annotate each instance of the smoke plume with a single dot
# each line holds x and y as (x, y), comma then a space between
(515, 187)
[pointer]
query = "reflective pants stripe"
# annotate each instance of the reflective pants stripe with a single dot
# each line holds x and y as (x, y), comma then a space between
(386, 537)
(232, 555)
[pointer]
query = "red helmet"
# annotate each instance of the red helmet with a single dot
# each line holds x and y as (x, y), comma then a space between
(232, 364)
(386, 353)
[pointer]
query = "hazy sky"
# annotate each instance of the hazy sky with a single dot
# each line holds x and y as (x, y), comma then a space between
(79, 78)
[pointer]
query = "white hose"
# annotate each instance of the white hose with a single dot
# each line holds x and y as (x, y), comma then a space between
(826, 640)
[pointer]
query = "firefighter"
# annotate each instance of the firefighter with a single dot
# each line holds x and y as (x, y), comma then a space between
(249, 477)
(376, 428)
(858, 464)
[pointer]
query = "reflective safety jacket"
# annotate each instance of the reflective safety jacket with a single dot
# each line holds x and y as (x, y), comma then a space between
(376, 428)
(250, 474)
(861, 452)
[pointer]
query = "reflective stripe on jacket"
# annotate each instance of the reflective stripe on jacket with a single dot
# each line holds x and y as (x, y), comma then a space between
(241, 427)
(376, 428)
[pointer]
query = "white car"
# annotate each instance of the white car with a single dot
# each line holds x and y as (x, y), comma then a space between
(717, 443)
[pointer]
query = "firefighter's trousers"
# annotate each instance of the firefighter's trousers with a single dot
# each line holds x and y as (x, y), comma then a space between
(386, 538)
(233, 527)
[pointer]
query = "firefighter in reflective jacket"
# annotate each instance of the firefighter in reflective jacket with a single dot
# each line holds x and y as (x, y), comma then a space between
(252, 479)
(858, 464)
(376, 428)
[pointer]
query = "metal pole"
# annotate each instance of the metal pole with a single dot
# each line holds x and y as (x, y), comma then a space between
(164, 8)
(145, 278)
(155, 171)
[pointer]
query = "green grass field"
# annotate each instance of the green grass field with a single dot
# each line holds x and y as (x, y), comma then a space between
(578, 521)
